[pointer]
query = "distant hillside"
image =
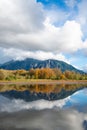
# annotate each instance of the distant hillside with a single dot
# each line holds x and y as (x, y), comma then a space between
(33, 63)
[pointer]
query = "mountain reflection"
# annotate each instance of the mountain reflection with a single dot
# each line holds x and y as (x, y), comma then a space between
(35, 92)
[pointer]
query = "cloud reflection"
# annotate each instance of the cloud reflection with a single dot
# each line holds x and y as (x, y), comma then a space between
(43, 120)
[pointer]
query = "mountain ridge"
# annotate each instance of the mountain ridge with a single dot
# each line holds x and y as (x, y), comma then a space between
(29, 63)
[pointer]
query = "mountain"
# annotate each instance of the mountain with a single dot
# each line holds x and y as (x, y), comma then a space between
(33, 63)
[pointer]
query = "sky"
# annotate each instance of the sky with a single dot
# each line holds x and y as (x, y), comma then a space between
(44, 29)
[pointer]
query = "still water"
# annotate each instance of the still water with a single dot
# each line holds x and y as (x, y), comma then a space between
(43, 107)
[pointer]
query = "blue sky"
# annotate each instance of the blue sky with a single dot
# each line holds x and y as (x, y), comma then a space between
(44, 29)
(64, 5)
(48, 3)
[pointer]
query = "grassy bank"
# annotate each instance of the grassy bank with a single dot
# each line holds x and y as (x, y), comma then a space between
(43, 81)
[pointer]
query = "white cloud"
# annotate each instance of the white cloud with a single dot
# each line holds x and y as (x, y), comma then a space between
(17, 54)
(20, 20)
(82, 20)
(70, 3)
(56, 15)
(82, 17)
(18, 16)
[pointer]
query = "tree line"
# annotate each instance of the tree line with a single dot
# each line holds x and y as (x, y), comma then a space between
(43, 73)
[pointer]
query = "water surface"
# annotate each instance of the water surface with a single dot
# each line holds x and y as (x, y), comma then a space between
(43, 107)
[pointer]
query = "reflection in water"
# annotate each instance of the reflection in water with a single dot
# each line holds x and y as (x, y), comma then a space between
(43, 88)
(77, 101)
(36, 92)
(43, 120)
(43, 107)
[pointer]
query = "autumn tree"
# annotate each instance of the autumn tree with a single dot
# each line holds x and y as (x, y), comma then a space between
(58, 73)
(44, 73)
(62, 76)
(32, 73)
(37, 73)
(49, 73)
(68, 74)
(2, 75)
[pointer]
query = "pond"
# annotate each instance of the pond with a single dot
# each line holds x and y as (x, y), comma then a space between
(43, 107)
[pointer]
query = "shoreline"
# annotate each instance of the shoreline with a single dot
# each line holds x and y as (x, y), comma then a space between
(42, 81)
